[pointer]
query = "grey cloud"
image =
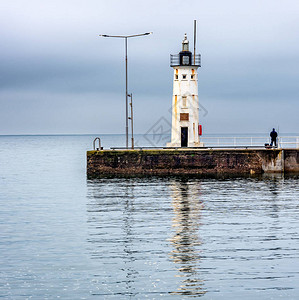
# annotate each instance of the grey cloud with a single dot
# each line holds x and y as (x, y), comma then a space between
(58, 75)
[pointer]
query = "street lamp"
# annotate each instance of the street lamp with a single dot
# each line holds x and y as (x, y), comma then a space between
(126, 60)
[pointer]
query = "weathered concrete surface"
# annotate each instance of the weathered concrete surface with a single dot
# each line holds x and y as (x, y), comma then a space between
(291, 160)
(191, 161)
(272, 160)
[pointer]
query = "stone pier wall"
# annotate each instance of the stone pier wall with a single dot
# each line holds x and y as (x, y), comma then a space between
(191, 161)
(291, 160)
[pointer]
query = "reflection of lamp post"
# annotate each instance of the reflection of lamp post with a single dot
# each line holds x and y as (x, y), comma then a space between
(126, 59)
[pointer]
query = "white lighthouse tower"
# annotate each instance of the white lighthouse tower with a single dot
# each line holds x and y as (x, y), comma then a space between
(185, 127)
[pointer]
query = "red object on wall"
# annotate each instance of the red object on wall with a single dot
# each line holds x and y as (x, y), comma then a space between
(199, 129)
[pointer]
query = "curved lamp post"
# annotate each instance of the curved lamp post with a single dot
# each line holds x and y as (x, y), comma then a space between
(126, 60)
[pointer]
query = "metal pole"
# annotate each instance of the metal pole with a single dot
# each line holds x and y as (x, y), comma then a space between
(132, 121)
(127, 133)
(194, 41)
(126, 60)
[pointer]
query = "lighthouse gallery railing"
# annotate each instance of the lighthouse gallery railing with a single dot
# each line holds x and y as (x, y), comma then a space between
(175, 60)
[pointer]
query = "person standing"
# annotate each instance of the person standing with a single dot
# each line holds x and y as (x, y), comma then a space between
(273, 136)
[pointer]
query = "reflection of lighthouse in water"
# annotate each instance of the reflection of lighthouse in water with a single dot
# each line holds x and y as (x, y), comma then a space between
(185, 239)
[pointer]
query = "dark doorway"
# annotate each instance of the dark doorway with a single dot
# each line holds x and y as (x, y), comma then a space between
(184, 136)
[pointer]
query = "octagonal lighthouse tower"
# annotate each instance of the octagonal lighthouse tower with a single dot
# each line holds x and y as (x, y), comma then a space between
(185, 127)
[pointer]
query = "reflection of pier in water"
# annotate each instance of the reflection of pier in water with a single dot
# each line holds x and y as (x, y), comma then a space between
(103, 244)
(127, 234)
(274, 185)
(185, 240)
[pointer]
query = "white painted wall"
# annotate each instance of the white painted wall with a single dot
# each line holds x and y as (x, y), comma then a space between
(185, 100)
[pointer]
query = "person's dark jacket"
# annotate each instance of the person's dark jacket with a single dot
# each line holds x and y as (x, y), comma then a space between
(273, 135)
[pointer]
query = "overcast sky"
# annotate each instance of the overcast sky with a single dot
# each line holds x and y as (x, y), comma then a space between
(58, 76)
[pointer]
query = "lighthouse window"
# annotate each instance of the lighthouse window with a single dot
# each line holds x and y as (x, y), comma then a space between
(184, 76)
(176, 76)
(192, 77)
(185, 60)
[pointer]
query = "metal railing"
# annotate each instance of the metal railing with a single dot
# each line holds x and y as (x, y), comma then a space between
(282, 142)
(175, 60)
(289, 142)
(99, 144)
(228, 142)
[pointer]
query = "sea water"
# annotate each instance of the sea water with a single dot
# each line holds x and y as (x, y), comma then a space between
(69, 237)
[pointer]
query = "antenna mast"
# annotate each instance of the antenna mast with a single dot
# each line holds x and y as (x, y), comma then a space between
(194, 42)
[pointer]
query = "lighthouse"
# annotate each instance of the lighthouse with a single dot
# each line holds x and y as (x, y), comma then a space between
(185, 128)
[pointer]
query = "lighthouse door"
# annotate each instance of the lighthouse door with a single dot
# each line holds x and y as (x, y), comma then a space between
(184, 136)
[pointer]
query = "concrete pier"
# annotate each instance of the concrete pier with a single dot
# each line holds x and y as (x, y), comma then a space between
(192, 161)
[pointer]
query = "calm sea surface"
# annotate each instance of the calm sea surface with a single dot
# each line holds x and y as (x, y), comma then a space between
(64, 236)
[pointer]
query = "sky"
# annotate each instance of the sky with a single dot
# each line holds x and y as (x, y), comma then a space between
(57, 76)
